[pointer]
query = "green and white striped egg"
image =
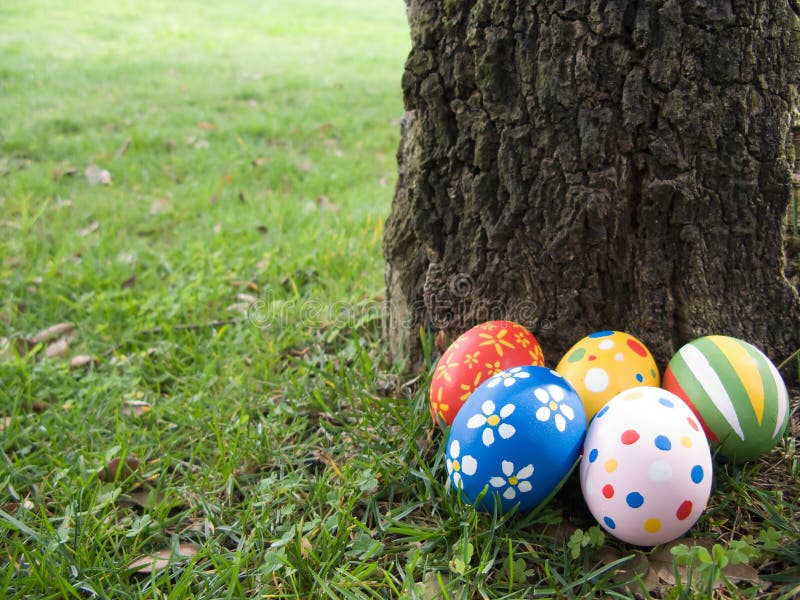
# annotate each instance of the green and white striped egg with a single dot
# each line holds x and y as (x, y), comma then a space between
(736, 392)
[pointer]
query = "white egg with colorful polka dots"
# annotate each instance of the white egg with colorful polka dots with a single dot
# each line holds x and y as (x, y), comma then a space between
(646, 467)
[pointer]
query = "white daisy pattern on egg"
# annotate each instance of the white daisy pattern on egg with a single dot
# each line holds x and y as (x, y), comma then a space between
(508, 377)
(552, 399)
(458, 465)
(492, 421)
(512, 482)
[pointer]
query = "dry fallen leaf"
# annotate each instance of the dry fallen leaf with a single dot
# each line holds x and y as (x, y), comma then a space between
(305, 165)
(440, 341)
(143, 498)
(325, 204)
(58, 349)
(217, 228)
(83, 360)
(662, 567)
(163, 558)
(246, 298)
(305, 547)
(117, 469)
(53, 332)
(135, 408)
(95, 175)
(21, 345)
(4, 423)
(242, 307)
(63, 170)
(159, 205)
(206, 125)
(123, 148)
(244, 284)
(90, 228)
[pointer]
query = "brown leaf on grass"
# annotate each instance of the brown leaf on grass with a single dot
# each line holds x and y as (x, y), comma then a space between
(21, 345)
(241, 307)
(53, 332)
(58, 349)
(159, 206)
(244, 284)
(83, 360)
(123, 148)
(325, 204)
(305, 165)
(638, 565)
(117, 469)
(5, 422)
(95, 175)
(247, 298)
(658, 568)
(440, 341)
(305, 547)
(135, 408)
(162, 559)
(142, 498)
(63, 170)
(89, 229)
(206, 125)
(259, 162)
(128, 283)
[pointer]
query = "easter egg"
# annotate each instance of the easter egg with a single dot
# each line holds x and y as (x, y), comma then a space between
(646, 467)
(605, 363)
(736, 392)
(515, 439)
(474, 357)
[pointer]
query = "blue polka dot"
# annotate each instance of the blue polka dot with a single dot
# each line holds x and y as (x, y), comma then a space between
(666, 402)
(593, 455)
(609, 522)
(663, 443)
(603, 411)
(634, 499)
(697, 474)
(639, 377)
(599, 334)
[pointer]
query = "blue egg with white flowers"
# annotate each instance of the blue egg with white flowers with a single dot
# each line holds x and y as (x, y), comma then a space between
(515, 439)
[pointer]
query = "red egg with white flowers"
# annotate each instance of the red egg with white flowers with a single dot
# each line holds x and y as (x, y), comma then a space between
(478, 354)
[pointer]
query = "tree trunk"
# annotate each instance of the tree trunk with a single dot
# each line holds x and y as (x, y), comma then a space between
(578, 165)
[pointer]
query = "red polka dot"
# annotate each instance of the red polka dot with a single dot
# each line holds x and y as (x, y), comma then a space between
(684, 510)
(693, 423)
(592, 357)
(629, 437)
(637, 347)
(608, 490)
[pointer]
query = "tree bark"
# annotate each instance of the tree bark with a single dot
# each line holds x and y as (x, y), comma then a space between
(579, 165)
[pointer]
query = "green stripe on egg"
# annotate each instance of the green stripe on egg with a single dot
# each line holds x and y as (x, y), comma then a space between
(736, 392)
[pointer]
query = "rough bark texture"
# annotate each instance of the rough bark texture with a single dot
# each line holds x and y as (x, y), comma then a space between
(577, 165)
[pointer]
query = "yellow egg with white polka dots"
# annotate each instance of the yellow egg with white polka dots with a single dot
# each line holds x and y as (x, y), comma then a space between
(605, 363)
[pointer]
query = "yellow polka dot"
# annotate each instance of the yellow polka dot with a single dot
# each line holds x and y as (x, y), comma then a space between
(652, 525)
(553, 406)
(635, 395)
(611, 465)
(493, 420)
(456, 465)
(687, 443)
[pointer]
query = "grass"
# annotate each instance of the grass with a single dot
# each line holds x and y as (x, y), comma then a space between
(227, 284)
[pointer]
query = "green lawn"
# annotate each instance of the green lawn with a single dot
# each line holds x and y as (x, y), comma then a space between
(225, 289)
